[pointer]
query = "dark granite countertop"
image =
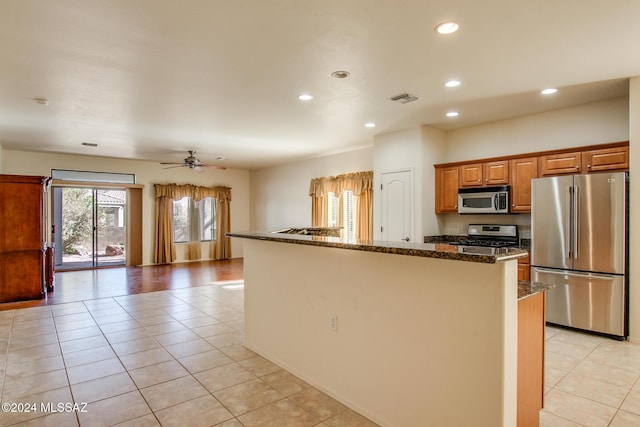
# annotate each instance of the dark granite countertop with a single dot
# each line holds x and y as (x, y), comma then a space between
(428, 250)
(528, 288)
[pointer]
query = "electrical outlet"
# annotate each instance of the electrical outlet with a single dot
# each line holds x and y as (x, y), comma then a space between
(334, 323)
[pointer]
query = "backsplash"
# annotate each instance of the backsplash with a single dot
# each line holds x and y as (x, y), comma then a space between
(456, 224)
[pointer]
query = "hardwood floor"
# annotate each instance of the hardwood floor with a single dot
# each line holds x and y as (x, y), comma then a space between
(81, 285)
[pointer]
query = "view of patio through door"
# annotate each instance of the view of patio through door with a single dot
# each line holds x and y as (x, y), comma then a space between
(89, 227)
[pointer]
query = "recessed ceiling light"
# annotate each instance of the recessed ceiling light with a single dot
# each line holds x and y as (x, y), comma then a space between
(452, 83)
(452, 114)
(305, 97)
(549, 91)
(340, 74)
(370, 125)
(447, 27)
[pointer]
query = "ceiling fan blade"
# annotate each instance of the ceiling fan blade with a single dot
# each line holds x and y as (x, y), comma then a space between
(172, 167)
(172, 163)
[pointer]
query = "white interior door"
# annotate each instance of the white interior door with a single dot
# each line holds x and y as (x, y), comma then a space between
(397, 206)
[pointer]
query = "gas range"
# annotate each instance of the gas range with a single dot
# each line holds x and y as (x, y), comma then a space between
(490, 236)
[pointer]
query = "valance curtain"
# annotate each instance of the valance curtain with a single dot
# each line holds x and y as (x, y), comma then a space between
(165, 195)
(360, 183)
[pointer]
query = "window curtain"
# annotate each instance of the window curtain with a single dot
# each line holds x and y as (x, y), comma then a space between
(165, 195)
(361, 183)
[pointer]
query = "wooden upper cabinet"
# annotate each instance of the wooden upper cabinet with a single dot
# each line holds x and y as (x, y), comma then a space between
(606, 159)
(496, 173)
(560, 164)
(471, 175)
(522, 172)
(518, 172)
(447, 189)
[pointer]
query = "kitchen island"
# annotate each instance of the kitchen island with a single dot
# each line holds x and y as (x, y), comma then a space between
(406, 334)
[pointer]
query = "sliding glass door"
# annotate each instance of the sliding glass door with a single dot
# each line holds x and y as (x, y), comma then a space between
(89, 227)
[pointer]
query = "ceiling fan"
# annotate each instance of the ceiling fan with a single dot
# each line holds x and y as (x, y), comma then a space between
(192, 162)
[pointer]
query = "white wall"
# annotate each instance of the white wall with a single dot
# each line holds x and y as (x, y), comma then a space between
(589, 124)
(280, 195)
(147, 174)
(595, 123)
(634, 207)
(416, 150)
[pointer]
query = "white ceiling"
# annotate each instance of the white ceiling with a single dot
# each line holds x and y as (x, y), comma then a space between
(150, 79)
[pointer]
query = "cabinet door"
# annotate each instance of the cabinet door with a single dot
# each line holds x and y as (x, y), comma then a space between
(496, 173)
(522, 172)
(559, 164)
(531, 320)
(606, 159)
(524, 268)
(471, 175)
(22, 216)
(447, 189)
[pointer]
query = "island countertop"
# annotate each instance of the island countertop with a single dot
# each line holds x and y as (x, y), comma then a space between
(429, 250)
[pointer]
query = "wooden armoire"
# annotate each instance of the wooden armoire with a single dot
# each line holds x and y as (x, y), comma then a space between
(22, 237)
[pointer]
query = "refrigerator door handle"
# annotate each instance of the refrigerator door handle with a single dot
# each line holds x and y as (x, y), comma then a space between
(567, 228)
(573, 273)
(576, 221)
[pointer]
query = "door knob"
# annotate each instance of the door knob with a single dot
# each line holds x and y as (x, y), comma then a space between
(406, 239)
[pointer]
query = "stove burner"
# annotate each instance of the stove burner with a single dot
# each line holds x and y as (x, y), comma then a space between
(487, 243)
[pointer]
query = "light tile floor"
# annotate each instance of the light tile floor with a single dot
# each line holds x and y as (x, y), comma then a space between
(170, 358)
(590, 381)
(176, 358)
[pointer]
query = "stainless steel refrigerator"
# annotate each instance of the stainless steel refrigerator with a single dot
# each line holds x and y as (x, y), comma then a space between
(579, 244)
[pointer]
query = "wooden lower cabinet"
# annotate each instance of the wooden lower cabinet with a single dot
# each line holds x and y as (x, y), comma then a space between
(524, 268)
(531, 325)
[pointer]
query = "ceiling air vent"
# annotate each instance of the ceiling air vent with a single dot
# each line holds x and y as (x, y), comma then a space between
(403, 98)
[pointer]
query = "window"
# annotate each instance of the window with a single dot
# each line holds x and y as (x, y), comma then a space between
(340, 213)
(193, 220)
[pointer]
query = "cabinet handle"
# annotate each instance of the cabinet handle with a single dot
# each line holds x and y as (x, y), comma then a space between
(577, 167)
(487, 179)
(589, 166)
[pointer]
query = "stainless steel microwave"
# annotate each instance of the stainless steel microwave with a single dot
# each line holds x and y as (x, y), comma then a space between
(484, 200)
